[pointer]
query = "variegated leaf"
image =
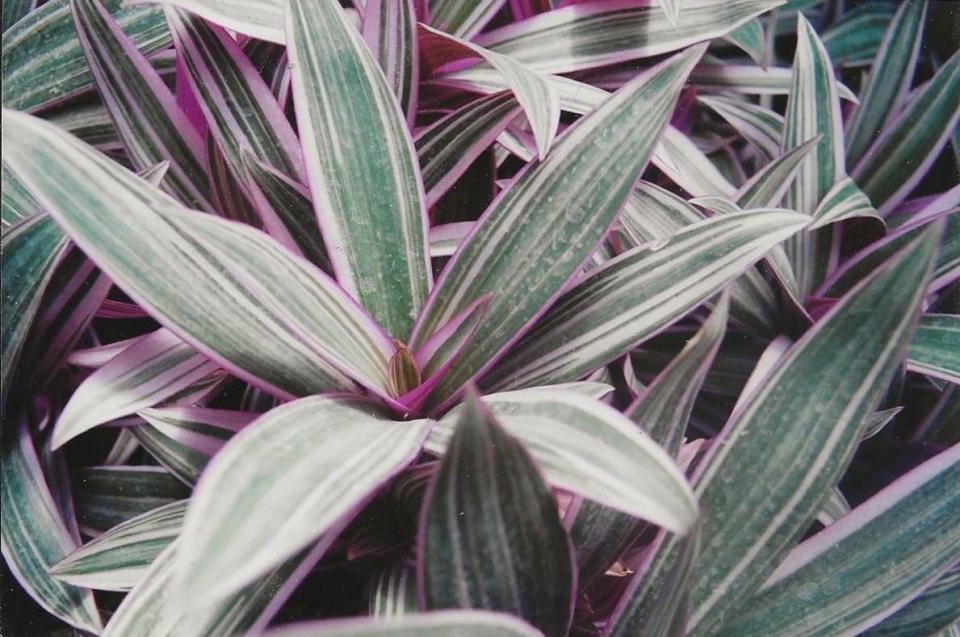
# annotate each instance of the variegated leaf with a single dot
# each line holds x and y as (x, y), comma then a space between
(118, 559)
(34, 534)
(43, 62)
(320, 458)
(155, 369)
(871, 562)
(361, 164)
(490, 536)
(935, 348)
(233, 268)
(600, 32)
(390, 32)
(611, 309)
(462, 623)
(145, 112)
(526, 225)
(591, 449)
(462, 18)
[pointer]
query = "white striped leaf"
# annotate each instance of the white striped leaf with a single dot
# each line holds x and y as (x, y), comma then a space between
(236, 101)
(813, 109)
(145, 112)
(109, 495)
(867, 565)
(750, 39)
(782, 452)
(261, 19)
(290, 202)
(390, 32)
(361, 164)
(30, 250)
(533, 90)
(812, 419)
(118, 559)
(751, 80)
(854, 38)
(934, 609)
(183, 439)
(393, 591)
(462, 623)
(15, 10)
(612, 308)
(152, 608)
(677, 156)
(43, 62)
(282, 345)
(844, 201)
(758, 125)
(525, 225)
(600, 534)
(34, 535)
(490, 535)
(601, 32)
(462, 18)
(17, 203)
(158, 368)
(447, 148)
(912, 139)
(317, 460)
(889, 79)
(587, 447)
(935, 348)
(767, 187)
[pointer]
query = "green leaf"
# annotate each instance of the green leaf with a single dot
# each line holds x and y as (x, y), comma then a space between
(854, 39)
(935, 608)
(437, 624)
(587, 447)
(844, 201)
(935, 348)
(43, 62)
(283, 345)
(118, 559)
(34, 534)
(868, 564)
(598, 33)
(152, 609)
(909, 144)
(534, 91)
(812, 416)
(664, 408)
(490, 535)
(362, 167)
(525, 226)
(750, 39)
(463, 18)
(317, 460)
(145, 112)
(813, 109)
(614, 307)
(16, 201)
(784, 449)
(390, 32)
(767, 187)
(110, 495)
(447, 148)
(889, 79)
(28, 253)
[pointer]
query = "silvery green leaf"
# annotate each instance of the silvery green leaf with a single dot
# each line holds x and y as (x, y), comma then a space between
(490, 535)
(118, 559)
(462, 623)
(589, 448)
(868, 564)
(935, 348)
(318, 460)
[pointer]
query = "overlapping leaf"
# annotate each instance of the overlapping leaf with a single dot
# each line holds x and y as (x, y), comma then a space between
(526, 226)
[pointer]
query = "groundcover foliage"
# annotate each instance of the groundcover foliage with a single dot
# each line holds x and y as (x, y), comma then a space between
(410, 317)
